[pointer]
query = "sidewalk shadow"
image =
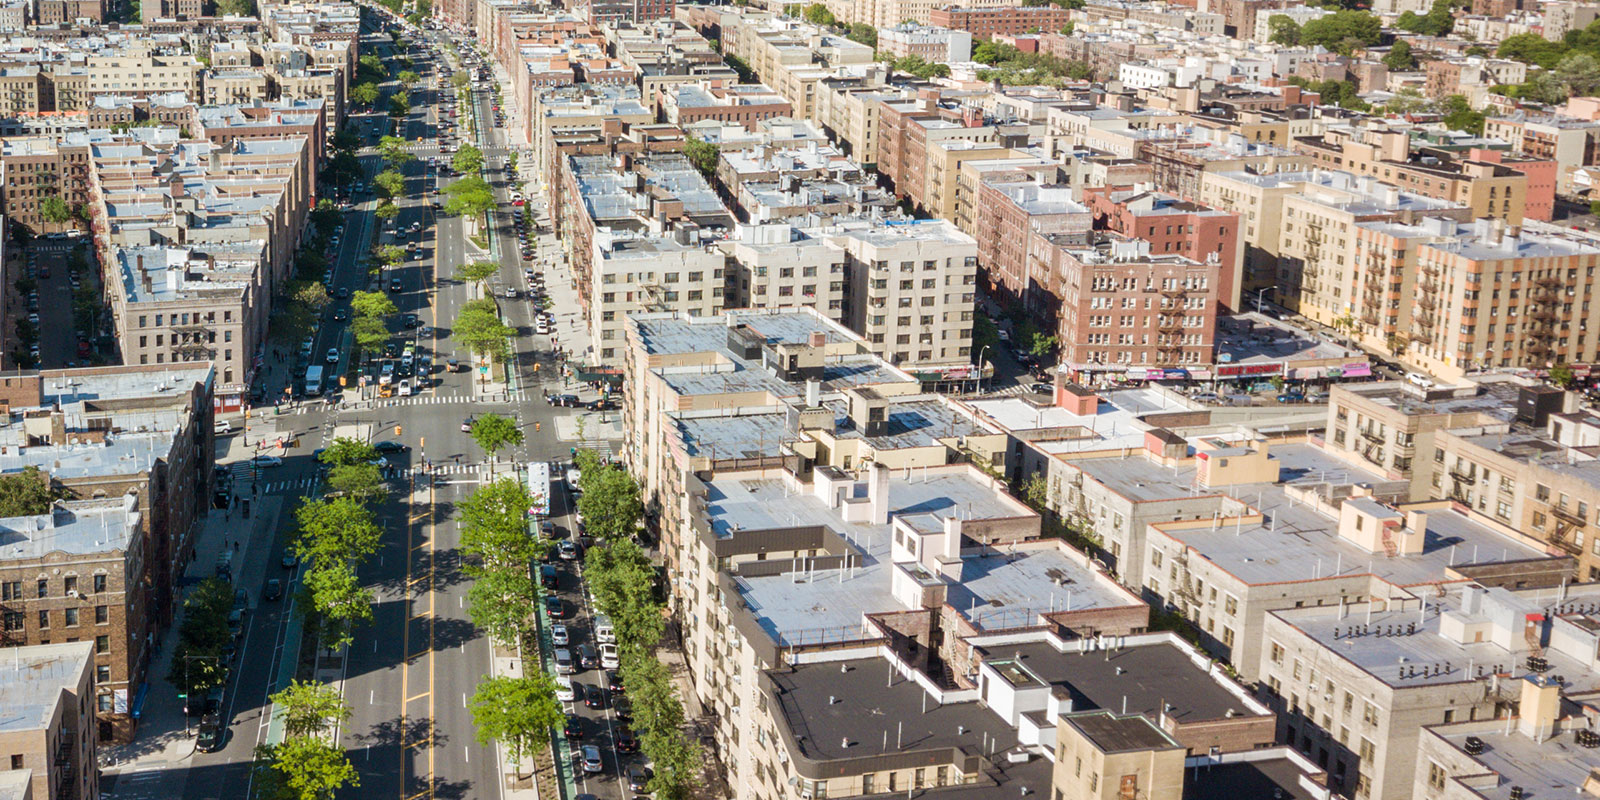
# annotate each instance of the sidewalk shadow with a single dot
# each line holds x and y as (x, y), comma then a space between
(147, 742)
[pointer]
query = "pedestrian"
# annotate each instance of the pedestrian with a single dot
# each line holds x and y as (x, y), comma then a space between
(235, 547)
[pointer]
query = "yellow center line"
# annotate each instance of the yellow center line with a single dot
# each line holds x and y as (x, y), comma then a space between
(419, 696)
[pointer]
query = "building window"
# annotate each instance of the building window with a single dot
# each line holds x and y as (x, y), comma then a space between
(102, 644)
(102, 674)
(70, 584)
(102, 615)
(72, 617)
(99, 583)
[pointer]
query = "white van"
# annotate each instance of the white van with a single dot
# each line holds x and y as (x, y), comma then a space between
(564, 691)
(603, 633)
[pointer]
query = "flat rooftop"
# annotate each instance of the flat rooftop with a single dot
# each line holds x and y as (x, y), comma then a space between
(1256, 338)
(664, 334)
(1143, 677)
(852, 709)
(1270, 777)
(76, 527)
(1498, 398)
(32, 680)
(1554, 767)
(1533, 447)
(1120, 734)
(1114, 425)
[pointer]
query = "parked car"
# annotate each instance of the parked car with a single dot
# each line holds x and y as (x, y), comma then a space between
(559, 635)
(273, 590)
(1291, 397)
(555, 608)
(212, 734)
(639, 778)
(591, 759)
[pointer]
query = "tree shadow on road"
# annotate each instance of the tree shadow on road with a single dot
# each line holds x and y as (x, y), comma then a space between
(398, 732)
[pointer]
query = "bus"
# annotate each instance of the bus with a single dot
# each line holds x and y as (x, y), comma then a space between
(539, 488)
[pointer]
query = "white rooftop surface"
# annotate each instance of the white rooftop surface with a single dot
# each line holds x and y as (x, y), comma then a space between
(14, 784)
(78, 527)
(1403, 648)
(1116, 425)
(1005, 588)
(1558, 763)
(32, 679)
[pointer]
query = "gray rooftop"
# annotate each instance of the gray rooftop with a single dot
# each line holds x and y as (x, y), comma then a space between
(76, 527)
(1256, 338)
(1497, 398)
(1553, 767)
(15, 784)
(32, 680)
(1145, 676)
(1242, 779)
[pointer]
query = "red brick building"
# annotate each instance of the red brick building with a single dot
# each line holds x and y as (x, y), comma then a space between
(989, 22)
(1172, 227)
(1013, 217)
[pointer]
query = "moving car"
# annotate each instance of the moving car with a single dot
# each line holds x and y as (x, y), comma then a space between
(391, 447)
(267, 461)
(591, 759)
(639, 778)
(574, 728)
(594, 697)
(273, 591)
(558, 635)
(555, 608)
(626, 741)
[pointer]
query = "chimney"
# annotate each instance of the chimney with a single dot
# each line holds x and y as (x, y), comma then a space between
(818, 339)
(58, 428)
(813, 393)
(878, 493)
(1541, 703)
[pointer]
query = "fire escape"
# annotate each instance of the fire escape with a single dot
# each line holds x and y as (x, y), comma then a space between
(1462, 478)
(1169, 325)
(1309, 269)
(1426, 313)
(66, 778)
(1561, 534)
(1544, 302)
(192, 341)
(1371, 443)
(1389, 546)
(1183, 585)
(11, 613)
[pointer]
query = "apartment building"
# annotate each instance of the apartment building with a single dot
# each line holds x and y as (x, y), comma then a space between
(1180, 159)
(1471, 76)
(1015, 216)
(36, 168)
(234, 87)
(203, 302)
(106, 111)
(1174, 226)
(578, 108)
(83, 564)
(56, 12)
(774, 265)
(913, 292)
(49, 732)
(921, 148)
(1489, 188)
(1260, 201)
(281, 119)
(1123, 305)
(932, 44)
(888, 13)
(1568, 141)
(989, 22)
(143, 71)
(615, 11)
(1478, 658)
(746, 104)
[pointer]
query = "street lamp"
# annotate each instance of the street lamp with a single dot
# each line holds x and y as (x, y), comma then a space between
(1261, 294)
(977, 384)
(189, 687)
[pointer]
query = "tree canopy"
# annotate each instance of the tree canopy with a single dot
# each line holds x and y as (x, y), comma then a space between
(1343, 31)
(479, 328)
(1439, 20)
(1399, 57)
(467, 160)
(469, 197)
(26, 493)
(610, 503)
(494, 431)
(818, 14)
(1282, 29)
(703, 155)
(517, 712)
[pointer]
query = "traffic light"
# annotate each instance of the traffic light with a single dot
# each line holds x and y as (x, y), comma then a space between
(422, 443)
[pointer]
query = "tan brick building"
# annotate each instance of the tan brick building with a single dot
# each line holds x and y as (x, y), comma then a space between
(49, 734)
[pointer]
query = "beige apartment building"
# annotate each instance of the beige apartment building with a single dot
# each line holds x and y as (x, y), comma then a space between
(142, 72)
(776, 266)
(913, 293)
(49, 732)
(889, 13)
(77, 574)
(1489, 188)
(235, 87)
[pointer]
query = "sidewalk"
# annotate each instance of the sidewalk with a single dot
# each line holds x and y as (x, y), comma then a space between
(165, 736)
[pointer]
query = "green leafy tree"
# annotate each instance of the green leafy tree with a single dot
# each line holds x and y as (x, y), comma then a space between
(862, 33)
(408, 78)
(364, 94)
(469, 197)
(503, 605)
(370, 332)
(1459, 115)
(1399, 57)
(390, 183)
(478, 272)
(610, 502)
(399, 104)
(345, 451)
(54, 210)
(340, 602)
(391, 255)
(1562, 375)
(372, 304)
(494, 526)
(517, 712)
(335, 531)
(236, 8)
(460, 80)
(479, 328)
(1532, 49)
(393, 151)
(1342, 31)
(26, 493)
(363, 482)
(326, 217)
(371, 69)
(309, 768)
(314, 295)
(1282, 29)
(1578, 74)
(467, 160)
(308, 708)
(197, 664)
(818, 14)
(494, 431)
(703, 155)
(386, 210)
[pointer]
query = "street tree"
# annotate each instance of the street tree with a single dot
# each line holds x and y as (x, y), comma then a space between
(1342, 31)
(364, 93)
(818, 14)
(340, 602)
(494, 431)
(308, 707)
(610, 503)
(399, 104)
(393, 151)
(335, 531)
(369, 332)
(391, 255)
(469, 197)
(26, 493)
(622, 580)
(372, 304)
(345, 450)
(386, 210)
(478, 272)
(197, 660)
(481, 331)
(313, 294)
(408, 78)
(494, 526)
(326, 217)
(467, 160)
(309, 768)
(390, 183)
(503, 605)
(517, 712)
(363, 482)
(703, 155)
